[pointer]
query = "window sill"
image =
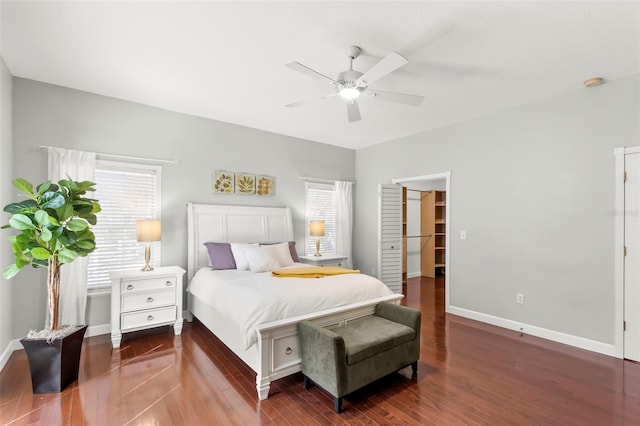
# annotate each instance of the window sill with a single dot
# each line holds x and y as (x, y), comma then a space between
(99, 291)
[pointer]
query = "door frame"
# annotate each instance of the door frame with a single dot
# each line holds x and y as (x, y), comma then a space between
(447, 255)
(618, 333)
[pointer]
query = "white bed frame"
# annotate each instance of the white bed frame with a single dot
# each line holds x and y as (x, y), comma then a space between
(276, 354)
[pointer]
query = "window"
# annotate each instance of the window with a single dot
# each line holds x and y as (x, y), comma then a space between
(127, 192)
(320, 204)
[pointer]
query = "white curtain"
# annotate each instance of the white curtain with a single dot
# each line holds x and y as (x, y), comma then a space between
(344, 221)
(79, 166)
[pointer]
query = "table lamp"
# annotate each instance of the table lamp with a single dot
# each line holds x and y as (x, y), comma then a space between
(316, 229)
(147, 231)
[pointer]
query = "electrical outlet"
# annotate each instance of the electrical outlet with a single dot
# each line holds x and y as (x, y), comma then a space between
(520, 298)
(463, 235)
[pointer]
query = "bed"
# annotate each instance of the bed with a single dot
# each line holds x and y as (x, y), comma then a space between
(272, 350)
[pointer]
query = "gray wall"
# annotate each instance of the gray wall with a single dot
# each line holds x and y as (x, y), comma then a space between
(533, 187)
(56, 116)
(6, 156)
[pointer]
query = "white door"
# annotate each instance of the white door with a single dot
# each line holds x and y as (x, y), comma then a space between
(632, 258)
(390, 236)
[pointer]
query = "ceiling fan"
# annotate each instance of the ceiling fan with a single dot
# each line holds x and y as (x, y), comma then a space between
(350, 84)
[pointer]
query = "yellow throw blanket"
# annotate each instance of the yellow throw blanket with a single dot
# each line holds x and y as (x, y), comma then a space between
(312, 272)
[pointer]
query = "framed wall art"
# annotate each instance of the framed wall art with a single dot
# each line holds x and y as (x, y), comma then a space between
(245, 184)
(242, 183)
(265, 186)
(223, 182)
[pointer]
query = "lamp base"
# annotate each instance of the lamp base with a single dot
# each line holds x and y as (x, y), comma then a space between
(147, 258)
(318, 248)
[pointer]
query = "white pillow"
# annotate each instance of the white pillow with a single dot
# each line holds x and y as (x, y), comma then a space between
(262, 259)
(242, 263)
(283, 254)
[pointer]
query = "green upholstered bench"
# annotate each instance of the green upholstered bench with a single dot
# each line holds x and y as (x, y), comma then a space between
(344, 358)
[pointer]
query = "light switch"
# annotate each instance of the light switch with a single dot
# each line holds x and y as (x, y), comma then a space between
(463, 235)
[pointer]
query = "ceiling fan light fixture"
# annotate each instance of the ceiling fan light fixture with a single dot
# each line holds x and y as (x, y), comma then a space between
(349, 93)
(350, 84)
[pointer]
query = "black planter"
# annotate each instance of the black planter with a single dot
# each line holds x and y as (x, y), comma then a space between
(54, 366)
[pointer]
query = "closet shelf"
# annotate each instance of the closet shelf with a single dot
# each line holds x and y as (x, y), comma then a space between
(433, 221)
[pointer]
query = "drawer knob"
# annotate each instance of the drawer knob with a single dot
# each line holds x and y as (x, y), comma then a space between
(130, 287)
(149, 299)
(288, 351)
(149, 317)
(168, 283)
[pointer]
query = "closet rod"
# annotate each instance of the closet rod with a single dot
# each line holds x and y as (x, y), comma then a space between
(420, 236)
(120, 157)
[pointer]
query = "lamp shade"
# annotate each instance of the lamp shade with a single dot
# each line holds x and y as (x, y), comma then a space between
(148, 230)
(316, 228)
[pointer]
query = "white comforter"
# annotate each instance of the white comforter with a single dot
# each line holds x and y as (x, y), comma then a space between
(248, 299)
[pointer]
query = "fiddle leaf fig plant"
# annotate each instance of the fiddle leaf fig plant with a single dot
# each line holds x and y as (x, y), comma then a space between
(54, 228)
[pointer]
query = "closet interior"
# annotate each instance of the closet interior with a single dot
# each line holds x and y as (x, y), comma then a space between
(423, 230)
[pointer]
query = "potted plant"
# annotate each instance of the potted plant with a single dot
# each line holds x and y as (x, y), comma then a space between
(54, 228)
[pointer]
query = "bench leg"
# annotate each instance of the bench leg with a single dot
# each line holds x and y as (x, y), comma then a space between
(337, 405)
(307, 382)
(414, 367)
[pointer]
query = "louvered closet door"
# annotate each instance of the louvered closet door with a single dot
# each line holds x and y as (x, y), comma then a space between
(390, 236)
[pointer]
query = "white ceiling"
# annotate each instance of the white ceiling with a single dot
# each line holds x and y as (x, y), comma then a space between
(226, 60)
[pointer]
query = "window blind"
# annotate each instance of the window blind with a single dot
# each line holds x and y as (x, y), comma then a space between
(320, 204)
(127, 193)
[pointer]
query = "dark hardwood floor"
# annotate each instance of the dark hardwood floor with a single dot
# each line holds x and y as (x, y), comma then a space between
(469, 373)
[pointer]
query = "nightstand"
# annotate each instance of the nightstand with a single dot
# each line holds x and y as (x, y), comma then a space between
(324, 260)
(145, 299)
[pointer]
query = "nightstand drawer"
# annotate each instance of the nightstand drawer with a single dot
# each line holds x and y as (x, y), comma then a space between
(129, 286)
(152, 299)
(148, 318)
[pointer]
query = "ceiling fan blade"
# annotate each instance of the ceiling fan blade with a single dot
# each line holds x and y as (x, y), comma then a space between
(400, 98)
(296, 104)
(388, 64)
(353, 111)
(297, 66)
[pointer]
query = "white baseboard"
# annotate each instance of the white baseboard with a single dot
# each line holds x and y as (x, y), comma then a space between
(414, 274)
(97, 330)
(13, 345)
(555, 336)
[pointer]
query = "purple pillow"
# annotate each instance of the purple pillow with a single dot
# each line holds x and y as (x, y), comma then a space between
(220, 255)
(292, 250)
(294, 253)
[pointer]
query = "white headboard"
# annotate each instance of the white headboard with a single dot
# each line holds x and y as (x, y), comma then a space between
(232, 224)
